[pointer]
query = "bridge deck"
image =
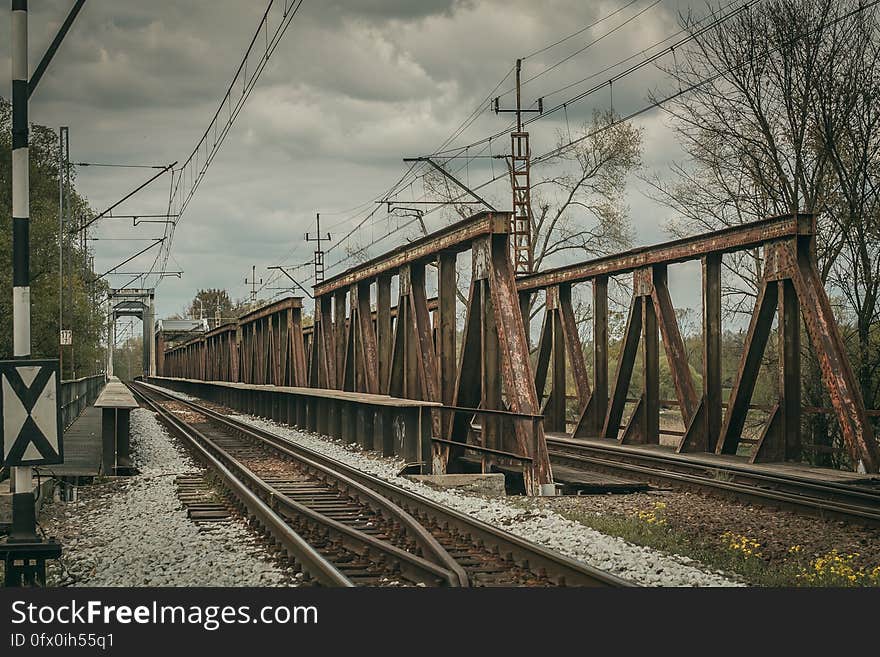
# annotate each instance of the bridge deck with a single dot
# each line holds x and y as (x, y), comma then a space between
(801, 470)
(82, 447)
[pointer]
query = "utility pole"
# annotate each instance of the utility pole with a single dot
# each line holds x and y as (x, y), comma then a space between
(519, 167)
(253, 284)
(23, 511)
(70, 260)
(319, 253)
(23, 551)
(61, 132)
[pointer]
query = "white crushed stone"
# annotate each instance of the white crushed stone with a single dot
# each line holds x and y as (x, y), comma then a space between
(636, 563)
(136, 533)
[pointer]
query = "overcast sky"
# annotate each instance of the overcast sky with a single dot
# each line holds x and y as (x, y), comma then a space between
(354, 86)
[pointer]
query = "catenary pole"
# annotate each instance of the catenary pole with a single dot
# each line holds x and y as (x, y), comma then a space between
(23, 512)
(60, 249)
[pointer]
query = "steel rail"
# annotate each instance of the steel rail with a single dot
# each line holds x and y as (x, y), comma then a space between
(382, 505)
(826, 498)
(539, 559)
(418, 568)
(311, 561)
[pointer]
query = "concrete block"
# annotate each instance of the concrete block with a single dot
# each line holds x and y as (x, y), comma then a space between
(491, 484)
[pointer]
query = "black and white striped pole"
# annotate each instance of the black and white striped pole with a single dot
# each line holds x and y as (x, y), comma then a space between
(23, 513)
(31, 433)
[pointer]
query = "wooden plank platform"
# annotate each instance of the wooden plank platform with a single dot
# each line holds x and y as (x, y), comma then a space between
(801, 470)
(82, 447)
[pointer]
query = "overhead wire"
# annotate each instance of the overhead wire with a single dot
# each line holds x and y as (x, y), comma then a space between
(659, 103)
(485, 105)
(452, 153)
(248, 84)
(582, 30)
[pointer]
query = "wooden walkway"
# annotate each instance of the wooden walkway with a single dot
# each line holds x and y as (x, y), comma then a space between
(82, 447)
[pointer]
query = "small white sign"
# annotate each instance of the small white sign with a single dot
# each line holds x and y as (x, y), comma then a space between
(66, 338)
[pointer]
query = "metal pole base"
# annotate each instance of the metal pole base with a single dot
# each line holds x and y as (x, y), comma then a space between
(24, 526)
(26, 562)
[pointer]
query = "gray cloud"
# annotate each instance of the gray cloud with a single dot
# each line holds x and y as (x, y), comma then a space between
(355, 86)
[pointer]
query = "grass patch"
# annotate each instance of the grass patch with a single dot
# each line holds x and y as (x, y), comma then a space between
(733, 554)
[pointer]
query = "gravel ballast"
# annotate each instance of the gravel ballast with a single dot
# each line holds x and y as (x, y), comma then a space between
(134, 531)
(544, 526)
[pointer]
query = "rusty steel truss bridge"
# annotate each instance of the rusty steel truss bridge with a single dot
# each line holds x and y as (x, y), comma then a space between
(487, 401)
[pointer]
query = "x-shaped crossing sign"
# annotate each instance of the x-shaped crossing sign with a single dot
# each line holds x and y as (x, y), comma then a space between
(30, 412)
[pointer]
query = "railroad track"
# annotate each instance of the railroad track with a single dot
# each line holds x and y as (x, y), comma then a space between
(347, 528)
(825, 499)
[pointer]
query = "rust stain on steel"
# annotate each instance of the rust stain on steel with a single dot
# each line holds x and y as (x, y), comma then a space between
(726, 240)
(268, 344)
(369, 347)
(433, 304)
(837, 374)
(427, 359)
(515, 366)
(264, 311)
(628, 352)
(673, 344)
(573, 346)
(325, 345)
(747, 371)
(545, 351)
(457, 237)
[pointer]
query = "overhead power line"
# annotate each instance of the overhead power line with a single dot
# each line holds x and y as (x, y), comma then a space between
(601, 37)
(190, 175)
(484, 105)
(456, 152)
(658, 103)
(582, 30)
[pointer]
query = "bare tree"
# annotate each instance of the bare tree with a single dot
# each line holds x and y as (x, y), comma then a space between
(749, 126)
(849, 130)
(783, 118)
(580, 210)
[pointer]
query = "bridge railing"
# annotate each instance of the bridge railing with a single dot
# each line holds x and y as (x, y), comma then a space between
(79, 394)
(362, 343)
(790, 288)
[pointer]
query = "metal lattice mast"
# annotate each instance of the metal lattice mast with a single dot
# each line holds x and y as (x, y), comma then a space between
(319, 253)
(519, 167)
(253, 283)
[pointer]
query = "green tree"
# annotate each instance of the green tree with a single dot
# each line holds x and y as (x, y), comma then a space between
(211, 302)
(82, 295)
(128, 358)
